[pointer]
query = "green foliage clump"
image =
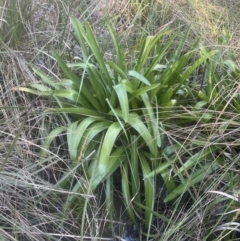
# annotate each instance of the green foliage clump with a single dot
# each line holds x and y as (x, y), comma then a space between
(120, 114)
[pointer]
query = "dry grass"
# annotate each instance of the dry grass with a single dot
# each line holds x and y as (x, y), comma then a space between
(28, 196)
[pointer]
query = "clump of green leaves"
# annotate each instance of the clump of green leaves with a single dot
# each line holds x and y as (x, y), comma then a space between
(117, 111)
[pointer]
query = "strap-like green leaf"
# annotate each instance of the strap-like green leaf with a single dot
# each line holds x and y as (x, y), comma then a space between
(91, 41)
(52, 135)
(136, 123)
(149, 190)
(196, 158)
(96, 81)
(197, 63)
(173, 71)
(74, 136)
(40, 87)
(83, 91)
(80, 112)
(195, 178)
(107, 146)
(45, 77)
(79, 32)
(147, 46)
(159, 56)
(122, 99)
(139, 77)
(152, 118)
(114, 161)
(128, 85)
(133, 162)
(143, 90)
(118, 70)
(126, 192)
(119, 50)
(96, 129)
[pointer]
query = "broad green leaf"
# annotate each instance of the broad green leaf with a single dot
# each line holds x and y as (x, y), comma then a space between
(45, 77)
(75, 134)
(29, 90)
(79, 32)
(71, 133)
(142, 90)
(115, 160)
(162, 167)
(128, 85)
(205, 117)
(136, 123)
(232, 66)
(96, 129)
(203, 96)
(138, 76)
(107, 146)
(67, 94)
(149, 190)
(199, 142)
(70, 74)
(159, 67)
(55, 84)
(123, 100)
(109, 197)
(152, 117)
(80, 112)
(64, 82)
(126, 192)
(133, 162)
(172, 149)
(78, 188)
(116, 114)
(93, 44)
(209, 75)
(144, 53)
(40, 87)
(119, 50)
(201, 104)
(119, 71)
(166, 97)
(113, 101)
